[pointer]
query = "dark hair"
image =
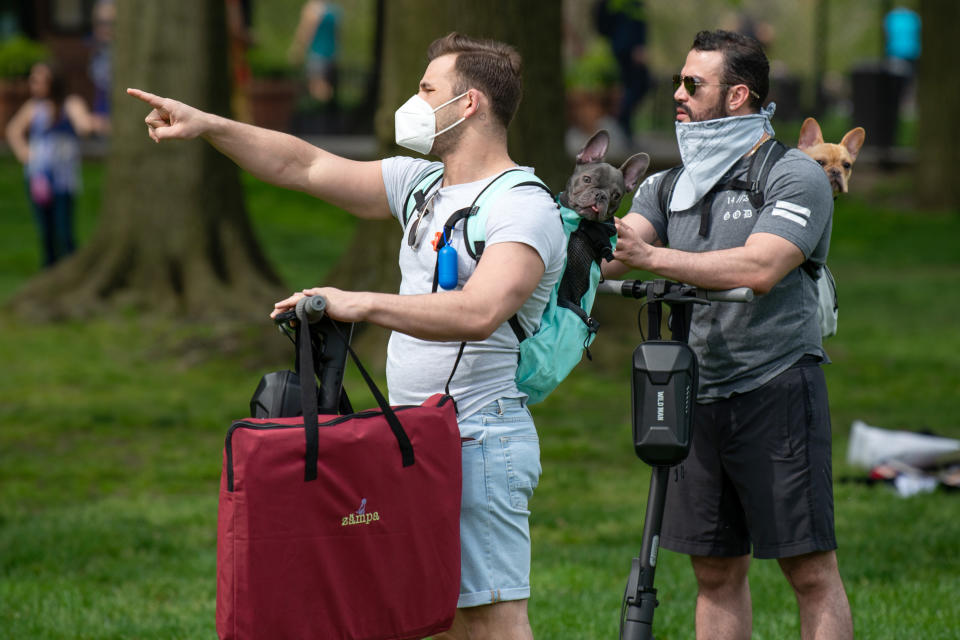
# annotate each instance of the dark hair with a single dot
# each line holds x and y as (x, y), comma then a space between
(744, 61)
(490, 66)
(57, 92)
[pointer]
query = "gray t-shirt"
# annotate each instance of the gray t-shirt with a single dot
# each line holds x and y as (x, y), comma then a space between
(741, 346)
(417, 369)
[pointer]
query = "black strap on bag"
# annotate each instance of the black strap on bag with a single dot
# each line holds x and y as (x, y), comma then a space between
(763, 159)
(308, 399)
(761, 162)
(475, 250)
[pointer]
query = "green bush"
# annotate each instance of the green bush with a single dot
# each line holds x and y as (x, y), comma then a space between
(18, 54)
(267, 63)
(595, 70)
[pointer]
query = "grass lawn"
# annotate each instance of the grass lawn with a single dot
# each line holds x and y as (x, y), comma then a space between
(111, 434)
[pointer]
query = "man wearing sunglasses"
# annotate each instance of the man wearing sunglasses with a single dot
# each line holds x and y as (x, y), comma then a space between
(467, 97)
(758, 476)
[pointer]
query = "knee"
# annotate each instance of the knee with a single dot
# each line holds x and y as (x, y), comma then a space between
(811, 573)
(720, 574)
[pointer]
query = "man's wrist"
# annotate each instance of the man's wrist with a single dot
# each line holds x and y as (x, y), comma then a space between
(653, 259)
(212, 126)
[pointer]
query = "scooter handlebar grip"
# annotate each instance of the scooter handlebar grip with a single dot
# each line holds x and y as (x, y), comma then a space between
(616, 287)
(740, 294)
(313, 306)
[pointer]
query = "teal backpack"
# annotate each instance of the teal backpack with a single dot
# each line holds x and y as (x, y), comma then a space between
(566, 328)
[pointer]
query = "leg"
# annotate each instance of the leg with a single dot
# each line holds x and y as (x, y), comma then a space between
(506, 620)
(501, 468)
(705, 520)
(824, 609)
(48, 234)
(44, 218)
(64, 243)
(723, 598)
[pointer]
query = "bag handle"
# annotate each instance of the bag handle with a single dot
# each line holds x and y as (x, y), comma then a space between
(308, 398)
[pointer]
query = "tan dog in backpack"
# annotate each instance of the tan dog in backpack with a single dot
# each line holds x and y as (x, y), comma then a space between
(836, 159)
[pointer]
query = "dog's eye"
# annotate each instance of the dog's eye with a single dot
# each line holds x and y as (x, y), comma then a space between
(586, 179)
(821, 163)
(847, 165)
(616, 195)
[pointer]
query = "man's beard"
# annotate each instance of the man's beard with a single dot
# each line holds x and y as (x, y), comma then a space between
(718, 110)
(447, 142)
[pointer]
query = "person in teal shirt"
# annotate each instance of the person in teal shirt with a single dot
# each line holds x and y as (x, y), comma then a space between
(316, 43)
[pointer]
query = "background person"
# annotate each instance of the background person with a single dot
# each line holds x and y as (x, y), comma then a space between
(468, 95)
(624, 23)
(101, 63)
(759, 470)
(43, 136)
(316, 42)
(239, 39)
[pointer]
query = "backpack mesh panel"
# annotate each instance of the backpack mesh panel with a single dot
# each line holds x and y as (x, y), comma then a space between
(581, 253)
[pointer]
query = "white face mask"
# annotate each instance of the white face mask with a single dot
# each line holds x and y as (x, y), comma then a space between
(415, 123)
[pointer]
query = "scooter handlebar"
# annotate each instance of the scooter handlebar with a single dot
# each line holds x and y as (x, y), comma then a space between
(635, 289)
(740, 294)
(313, 307)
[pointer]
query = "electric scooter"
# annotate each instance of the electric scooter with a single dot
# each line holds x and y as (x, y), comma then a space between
(663, 396)
(321, 346)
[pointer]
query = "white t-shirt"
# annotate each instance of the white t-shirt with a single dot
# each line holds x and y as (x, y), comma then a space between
(417, 369)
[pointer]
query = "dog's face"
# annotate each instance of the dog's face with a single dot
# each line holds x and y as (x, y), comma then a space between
(836, 159)
(596, 188)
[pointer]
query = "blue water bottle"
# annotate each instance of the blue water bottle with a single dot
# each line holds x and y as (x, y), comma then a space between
(447, 267)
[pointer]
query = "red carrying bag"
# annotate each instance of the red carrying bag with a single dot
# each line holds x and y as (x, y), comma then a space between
(346, 526)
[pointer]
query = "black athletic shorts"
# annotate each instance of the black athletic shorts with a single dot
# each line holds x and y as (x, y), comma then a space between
(758, 474)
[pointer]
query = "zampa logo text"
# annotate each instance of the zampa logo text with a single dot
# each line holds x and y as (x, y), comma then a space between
(360, 516)
(363, 518)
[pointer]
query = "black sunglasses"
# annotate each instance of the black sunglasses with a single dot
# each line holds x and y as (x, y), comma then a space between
(690, 85)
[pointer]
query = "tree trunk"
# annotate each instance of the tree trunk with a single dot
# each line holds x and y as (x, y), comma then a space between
(173, 233)
(938, 153)
(536, 134)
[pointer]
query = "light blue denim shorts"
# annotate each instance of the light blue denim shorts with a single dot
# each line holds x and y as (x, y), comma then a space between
(501, 468)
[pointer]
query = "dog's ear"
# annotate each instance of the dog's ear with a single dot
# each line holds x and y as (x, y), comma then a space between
(854, 140)
(595, 148)
(633, 169)
(810, 135)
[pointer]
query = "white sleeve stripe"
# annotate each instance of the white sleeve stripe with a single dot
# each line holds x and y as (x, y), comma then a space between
(790, 216)
(789, 206)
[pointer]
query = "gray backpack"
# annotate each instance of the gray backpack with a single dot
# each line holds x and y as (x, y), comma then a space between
(761, 162)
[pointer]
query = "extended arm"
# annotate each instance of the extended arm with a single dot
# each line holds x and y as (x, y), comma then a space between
(760, 264)
(274, 157)
(505, 277)
(80, 117)
(17, 132)
(309, 17)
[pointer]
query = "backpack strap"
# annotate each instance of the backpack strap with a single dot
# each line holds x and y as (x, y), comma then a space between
(761, 163)
(812, 268)
(475, 228)
(475, 231)
(417, 198)
(666, 186)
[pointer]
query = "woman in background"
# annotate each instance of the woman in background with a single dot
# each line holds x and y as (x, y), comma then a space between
(316, 40)
(43, 135)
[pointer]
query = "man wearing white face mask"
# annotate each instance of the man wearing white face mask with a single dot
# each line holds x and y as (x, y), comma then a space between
(467, 97)
(759, 471)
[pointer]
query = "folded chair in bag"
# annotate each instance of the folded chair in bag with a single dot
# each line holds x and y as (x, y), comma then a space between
(340, 526)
